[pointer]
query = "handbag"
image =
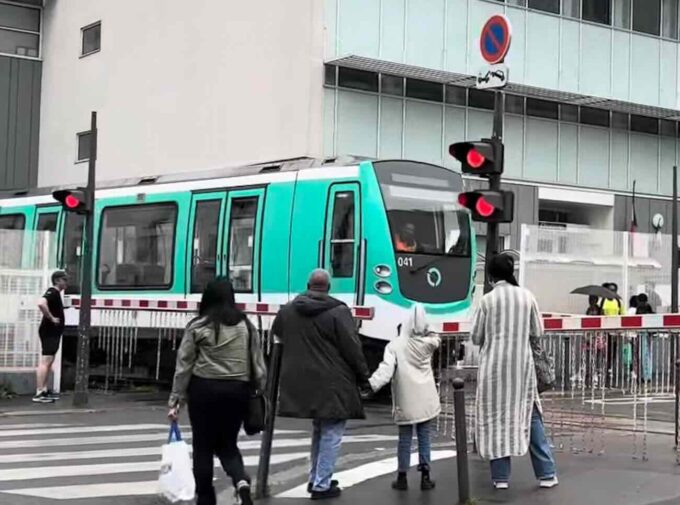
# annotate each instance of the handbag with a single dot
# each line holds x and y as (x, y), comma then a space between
(256, 410)
(544, 366)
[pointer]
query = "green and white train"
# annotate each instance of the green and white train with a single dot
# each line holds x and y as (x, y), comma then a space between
(267, 226)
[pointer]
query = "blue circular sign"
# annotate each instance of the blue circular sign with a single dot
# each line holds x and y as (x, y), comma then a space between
(495, 40)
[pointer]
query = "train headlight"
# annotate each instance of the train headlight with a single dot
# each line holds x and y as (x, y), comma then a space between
(382, 271)
(383, 287)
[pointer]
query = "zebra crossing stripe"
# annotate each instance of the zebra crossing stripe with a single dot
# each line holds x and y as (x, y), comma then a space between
(84, 429)
(113, 489)
(30, 425)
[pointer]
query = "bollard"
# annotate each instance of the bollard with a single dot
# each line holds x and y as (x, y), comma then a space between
(272, 395)
(461, 441)
(677, 402)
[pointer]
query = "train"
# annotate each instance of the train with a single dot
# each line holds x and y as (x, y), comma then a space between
(389, 232)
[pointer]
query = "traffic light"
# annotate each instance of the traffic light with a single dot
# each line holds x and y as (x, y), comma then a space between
(489, 206)
(480, 158)
(73, 200)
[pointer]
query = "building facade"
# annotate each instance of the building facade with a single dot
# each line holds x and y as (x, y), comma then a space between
(592, 108)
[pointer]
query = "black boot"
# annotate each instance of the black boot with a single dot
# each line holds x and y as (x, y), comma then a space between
(425, 482)
(401, 484)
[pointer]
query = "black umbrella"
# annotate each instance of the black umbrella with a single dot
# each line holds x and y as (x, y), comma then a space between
(599, 291)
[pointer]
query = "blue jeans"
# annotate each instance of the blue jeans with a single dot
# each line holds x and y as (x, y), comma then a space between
(326, 442)
(404, 446)
(541, 455)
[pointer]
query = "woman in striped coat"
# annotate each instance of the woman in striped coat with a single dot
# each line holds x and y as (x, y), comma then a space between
(509, 416)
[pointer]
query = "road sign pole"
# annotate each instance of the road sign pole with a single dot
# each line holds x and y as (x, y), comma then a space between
(492, 235)
(80, 397)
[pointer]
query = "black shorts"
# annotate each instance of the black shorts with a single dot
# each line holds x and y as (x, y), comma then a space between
(50, 341)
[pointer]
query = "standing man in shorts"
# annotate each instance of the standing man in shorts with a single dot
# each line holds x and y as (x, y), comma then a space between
(51, 328)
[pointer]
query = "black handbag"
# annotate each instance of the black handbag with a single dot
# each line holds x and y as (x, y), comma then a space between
(256, 411)
(544, 366)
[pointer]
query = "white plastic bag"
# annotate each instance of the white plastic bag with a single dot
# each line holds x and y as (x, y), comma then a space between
(176, 479)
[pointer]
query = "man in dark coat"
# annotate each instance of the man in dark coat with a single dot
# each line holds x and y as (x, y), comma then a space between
(321, 371)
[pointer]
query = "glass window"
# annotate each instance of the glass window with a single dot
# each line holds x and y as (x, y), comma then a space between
(72, 252)
(593, 116)
(542, 108)
(620, 120)
(392, 85)
(21, 18)
(357, 79)
(621, 11)
(91, 38)
(644, 124)
(12, 222)
(46, 222)
(667, 127)
(545, 5)
(425, 90)
(204, 245)
(242, 242)
(481, 99)
(342, 238)
(11, 239)
(19, 43)
(569, 113)
(520, 3)
(669, 19)
(456, 95)
(597, 11)
(514, 104)
(571, 8)
(136, 246)
(83, 146)
(647, 16)
(330, 75)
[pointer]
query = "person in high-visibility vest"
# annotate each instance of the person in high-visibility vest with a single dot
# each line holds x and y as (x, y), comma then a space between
(405, 240)
(612, 308)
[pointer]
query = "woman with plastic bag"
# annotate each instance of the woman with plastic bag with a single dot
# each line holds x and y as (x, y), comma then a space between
(219, 364)
(407, 362)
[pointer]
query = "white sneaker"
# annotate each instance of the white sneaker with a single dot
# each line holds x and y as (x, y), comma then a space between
(501, 485)
(548, 483)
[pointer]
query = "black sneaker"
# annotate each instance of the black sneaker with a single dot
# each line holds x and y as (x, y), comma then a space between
(53, 395)
(42, 398)
(334, 483)
(244, 494)
(331, 492)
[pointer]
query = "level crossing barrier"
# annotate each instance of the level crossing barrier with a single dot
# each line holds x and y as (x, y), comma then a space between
(609, 371)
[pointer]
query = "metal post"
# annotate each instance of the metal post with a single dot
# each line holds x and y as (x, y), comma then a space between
(262, 485)
(677, 399)
(494, 185)
(83, 357)
(674, 252)
(461, 441)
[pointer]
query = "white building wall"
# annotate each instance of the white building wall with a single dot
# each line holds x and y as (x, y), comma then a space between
(181, 86)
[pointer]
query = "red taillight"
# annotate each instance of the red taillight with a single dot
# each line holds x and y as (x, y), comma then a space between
(484, 208)
(475, 159)
(71, 202)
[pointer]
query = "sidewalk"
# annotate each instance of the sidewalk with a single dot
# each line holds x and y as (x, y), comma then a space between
(613, 478)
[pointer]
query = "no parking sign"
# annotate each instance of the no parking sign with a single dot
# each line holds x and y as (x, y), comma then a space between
(494, 44)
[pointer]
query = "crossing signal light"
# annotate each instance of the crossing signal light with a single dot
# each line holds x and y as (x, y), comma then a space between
(489, 206)
(480, 158)
(72, 200)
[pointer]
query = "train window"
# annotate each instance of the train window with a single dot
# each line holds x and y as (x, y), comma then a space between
(136, 246)
(204, 246)
(342, 239)
(46, 222)
(73, 243)
(241, 242)
(11, 240)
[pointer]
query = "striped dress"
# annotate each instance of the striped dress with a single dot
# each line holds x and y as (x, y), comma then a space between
(506, 381)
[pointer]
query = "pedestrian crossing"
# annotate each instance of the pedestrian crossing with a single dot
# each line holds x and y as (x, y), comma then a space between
(79, 461)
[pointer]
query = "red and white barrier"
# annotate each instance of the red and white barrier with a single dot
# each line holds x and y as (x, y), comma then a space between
(155, 305)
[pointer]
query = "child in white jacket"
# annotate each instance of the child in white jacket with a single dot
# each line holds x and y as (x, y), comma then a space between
(407, 362)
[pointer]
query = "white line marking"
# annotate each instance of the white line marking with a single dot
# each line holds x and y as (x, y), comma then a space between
(156, 450)
(86, 429)
(362, 473)
(45, 472)
(26, 426)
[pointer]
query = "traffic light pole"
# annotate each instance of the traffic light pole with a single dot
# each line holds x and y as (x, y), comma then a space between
(80, 397)
(492, 234)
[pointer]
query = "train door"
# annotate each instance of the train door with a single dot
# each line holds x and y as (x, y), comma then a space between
(342, 242)
(47, 219)
(241, 248)
(205, 259)
(71, 253)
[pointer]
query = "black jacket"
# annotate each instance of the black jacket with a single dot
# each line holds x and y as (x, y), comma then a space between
(323, 364)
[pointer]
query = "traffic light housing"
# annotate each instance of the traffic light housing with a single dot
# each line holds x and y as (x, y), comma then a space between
(489, 206)
(73, 200)
(484, 157)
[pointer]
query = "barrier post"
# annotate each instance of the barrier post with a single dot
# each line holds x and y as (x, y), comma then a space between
(272, 396)
(461, 441)
(677, 401)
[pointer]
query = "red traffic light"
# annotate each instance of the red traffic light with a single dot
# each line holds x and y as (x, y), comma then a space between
(475, 159)
(71, 202)
(489, 206)
(484, 208)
